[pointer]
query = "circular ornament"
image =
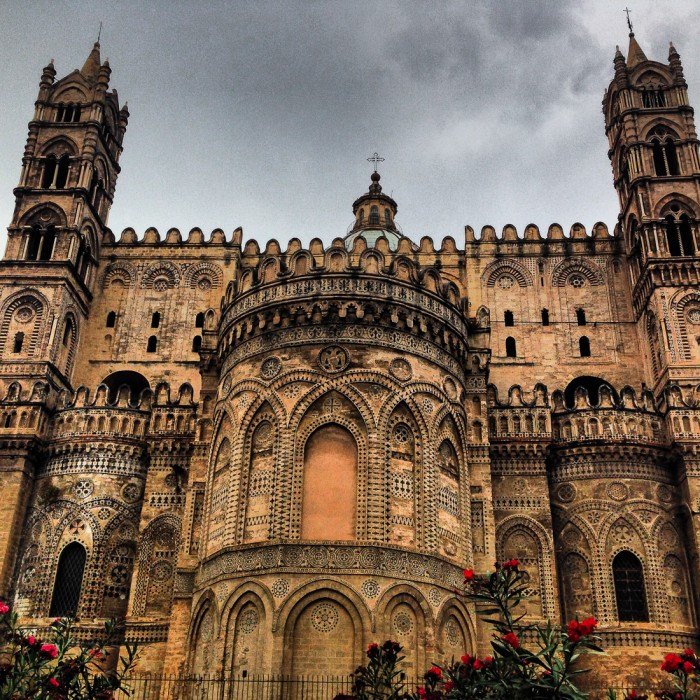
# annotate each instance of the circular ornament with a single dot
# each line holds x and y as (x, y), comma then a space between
(506, 281)
(25, 314)
(370, 588)
(452, 632)
(401, 434)
(248, 620)
(170, 481)
(83, 488)
(402, 623)
(617, 491)
(450, 387)
(280, 588)
(324, 617)
(271, 367)
(693, 316)
(119, 574)
(665, 493)
(162, 571)
(400, 369)
(131, 492)
(204, 284)
(160, 284)
(434, 596)
(577, 280)
(566, 492)
(333, 359)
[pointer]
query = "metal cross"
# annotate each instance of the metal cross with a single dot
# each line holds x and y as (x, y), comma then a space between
(375, 158)
(629, 22)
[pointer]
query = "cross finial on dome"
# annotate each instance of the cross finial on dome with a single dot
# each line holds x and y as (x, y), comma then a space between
(375, 158)
(629, 21)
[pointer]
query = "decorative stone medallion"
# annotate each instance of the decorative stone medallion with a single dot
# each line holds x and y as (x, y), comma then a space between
(280, 588)
(434, 596)
(83, 488)
(506, 281)
(131, 492)
(25, 314)
(271, 367)
(402, 623)
(248, 621)
(162, 570)
(324, 617)
(566, 493)
(400, 369)
(576, 280)
(617, 491)
(333, 359)
(370, 588)
(693, 316)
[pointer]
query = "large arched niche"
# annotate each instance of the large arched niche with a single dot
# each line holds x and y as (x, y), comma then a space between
(203, 633)
(247, 644)
(329, 502)
(134, 381)
(454, 635)
(403, 614)
(324, 618)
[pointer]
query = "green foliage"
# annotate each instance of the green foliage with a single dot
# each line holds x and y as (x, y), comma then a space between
(57, 667)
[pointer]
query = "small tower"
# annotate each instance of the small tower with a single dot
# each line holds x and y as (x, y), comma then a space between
(69, 172)
(654, 153)
(374, 215)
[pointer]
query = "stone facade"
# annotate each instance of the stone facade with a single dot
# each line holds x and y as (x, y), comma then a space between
(264, 458)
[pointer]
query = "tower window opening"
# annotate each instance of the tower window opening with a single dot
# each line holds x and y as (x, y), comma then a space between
(49, 176)
(508, 318)
(69, 581)
(62, 171)
(374, 215)
(580, 317)
(510, 347)
(33, 244)
(67, 332)
(68, 113)
(199, 320)
(387, 217)
(679, 235)
(584, 346)
(18, 343)
(47, 243)
(155, 319)
(152, 344)
(111, 319)
(653, 97)
(197, 343)
(361, 216)
(630, 593)
(545, 317)
(664, 153)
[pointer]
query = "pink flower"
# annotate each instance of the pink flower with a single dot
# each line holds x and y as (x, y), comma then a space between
(50, 650)
(4, 609)
(468, 575)
(54, 683)
(511, 639)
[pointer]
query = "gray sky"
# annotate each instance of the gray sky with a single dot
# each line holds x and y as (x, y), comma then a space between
(261, 114)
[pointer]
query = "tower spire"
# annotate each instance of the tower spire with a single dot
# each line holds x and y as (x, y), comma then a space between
(635, 55)
(91, 69)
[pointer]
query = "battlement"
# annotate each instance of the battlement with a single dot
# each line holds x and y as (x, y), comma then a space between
(173, 237)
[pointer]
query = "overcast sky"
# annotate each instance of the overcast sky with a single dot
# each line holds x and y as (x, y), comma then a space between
(262, 115)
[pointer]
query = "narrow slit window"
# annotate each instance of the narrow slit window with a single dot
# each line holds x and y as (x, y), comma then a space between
(197, 343)
(580, 317)
(545, 317)
(510, 347)
(152, 344)
(199, 320)
(584, 346)
(111, 319)
(508, 318)
(155, 320)
(18, 343)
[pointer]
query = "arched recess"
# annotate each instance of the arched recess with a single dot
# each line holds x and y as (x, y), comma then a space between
(68, 581)
(117, 569)
(135, 382)
(246, 648)
(158, 549)
(584, 269)
(495, 270)
(329, 506)
(24, 314)
(68, 344)
(577, 586)
(405, 457)
(202, 632)
(654, 339)
(524, 539)
(219, 494)
(686, 308)
(323, 615)
(260, 448)
(454, 635)
(403, 615)
(675, 578)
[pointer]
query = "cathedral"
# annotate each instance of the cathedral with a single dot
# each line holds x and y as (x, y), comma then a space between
(263, 457)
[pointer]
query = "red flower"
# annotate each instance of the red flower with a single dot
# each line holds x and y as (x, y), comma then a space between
(421, 692)
(31, 640)
(671, 663)
(511, 564)
(4, 609)
(688, 667)
(576, 629)
(466, 659)
(373, 650)
(468, 575)
(478, 664)
(487, 661)
(448, 686)
(511, 639)
(51, 650)
(689, 654)
(434, 671)
(54, 683)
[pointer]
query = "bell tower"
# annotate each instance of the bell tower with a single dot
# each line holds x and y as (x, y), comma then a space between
(69, 171)
(656, 169)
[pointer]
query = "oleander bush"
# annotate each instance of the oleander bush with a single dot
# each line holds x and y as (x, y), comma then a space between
(54, 666)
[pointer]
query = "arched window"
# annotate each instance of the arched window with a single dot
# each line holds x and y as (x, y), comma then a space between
(40, 244)
(69, 581)
(330, 457)
(152, 344)
(62, 171)
(50, 167)
(111, 319)
(33, 243)
(510, 347)
(664, 152)
(47, 243)
(508, 318)
(155, 319)
(545, 317)
(197, 343)
(630, 593)
(199, 320)
(584, 346)
(679, 233)
(361, 216)
(374, 215)
(653, 97)
(387, 217)
(19, 341)
(580, 317)
(67, 333)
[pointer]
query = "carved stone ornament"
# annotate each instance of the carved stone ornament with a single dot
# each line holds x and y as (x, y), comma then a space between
(450, 387)
(270, 368)
(401, 369)
(333, 359)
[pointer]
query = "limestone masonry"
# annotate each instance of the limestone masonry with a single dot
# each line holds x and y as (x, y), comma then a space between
(264, 458)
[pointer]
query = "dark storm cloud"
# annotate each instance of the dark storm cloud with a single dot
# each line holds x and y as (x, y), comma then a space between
(261, 114)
